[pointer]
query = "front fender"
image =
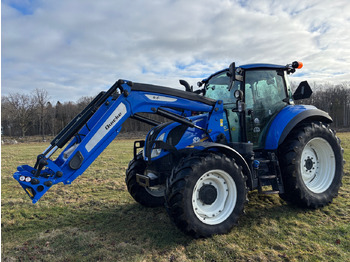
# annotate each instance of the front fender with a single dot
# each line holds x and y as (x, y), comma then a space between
(230, 152)
(288, 118)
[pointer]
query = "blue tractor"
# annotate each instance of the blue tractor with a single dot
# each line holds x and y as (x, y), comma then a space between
(240, 131)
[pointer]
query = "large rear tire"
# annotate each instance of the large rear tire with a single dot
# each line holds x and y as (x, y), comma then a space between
(146, 196)
(205, 194)
(311, 163)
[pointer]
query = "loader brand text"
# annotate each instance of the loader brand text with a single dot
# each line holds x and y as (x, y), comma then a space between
(107, 126)
(114, 120)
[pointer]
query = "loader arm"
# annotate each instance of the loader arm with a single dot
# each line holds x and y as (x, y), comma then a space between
(91, 131)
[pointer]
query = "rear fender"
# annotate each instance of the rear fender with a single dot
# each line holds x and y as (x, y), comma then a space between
(288, 118)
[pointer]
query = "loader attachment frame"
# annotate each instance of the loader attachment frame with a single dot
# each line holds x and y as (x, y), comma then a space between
(91, 131)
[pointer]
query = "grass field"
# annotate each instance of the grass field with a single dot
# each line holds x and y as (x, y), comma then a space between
(95, 219)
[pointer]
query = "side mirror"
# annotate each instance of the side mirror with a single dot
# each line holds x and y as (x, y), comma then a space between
(303, 91)
(235, 74)
(231, 72)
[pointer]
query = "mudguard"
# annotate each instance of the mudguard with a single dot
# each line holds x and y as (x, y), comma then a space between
(288, 118)
(231, 153)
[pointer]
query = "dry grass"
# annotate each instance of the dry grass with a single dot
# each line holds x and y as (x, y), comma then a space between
(95, 219)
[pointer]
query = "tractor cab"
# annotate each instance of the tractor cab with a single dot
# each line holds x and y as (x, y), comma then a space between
(253, 95)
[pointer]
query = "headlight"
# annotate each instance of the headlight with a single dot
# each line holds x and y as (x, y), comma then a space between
(156, 152)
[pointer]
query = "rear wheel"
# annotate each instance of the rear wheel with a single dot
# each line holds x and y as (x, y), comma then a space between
(312, 165)
(205, 194)
(147, 196)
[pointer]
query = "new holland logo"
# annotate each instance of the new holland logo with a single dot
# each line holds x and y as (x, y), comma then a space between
(161, 98)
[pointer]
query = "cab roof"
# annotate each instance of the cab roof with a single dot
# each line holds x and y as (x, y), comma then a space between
(256, 66)
(249, 66)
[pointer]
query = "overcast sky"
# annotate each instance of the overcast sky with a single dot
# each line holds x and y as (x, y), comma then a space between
(77, 48)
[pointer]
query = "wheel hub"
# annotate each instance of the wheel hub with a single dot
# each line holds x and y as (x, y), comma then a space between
(309, 163)
(317, 165)
(208, 194)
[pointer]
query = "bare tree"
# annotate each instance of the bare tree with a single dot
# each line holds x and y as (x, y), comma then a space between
(21, 107)
(334, 99)
(6, 118)
(41, 99)
(83, 102)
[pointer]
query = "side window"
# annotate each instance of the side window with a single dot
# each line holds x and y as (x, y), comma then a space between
(265, 96)
(264, 86)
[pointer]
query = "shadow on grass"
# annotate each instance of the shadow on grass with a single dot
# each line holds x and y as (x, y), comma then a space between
(90, 232)
(94, 230)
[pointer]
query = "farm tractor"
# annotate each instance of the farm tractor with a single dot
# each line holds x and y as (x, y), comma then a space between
(239, 131)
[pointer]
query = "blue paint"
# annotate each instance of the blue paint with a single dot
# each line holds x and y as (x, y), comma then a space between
(105, 124)
(257, 66)
(280, 122)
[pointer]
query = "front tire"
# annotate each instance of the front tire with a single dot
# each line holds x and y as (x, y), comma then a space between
(312, 165)
(205, 194)
(146, 196)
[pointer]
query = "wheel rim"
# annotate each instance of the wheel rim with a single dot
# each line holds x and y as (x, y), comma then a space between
(214, 210)
(317, 165)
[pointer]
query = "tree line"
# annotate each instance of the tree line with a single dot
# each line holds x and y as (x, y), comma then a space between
(335, 100)
(34, 114)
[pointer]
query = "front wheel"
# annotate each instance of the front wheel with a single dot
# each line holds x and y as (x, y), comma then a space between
(312, 165)
(205, 194)
(146, 196)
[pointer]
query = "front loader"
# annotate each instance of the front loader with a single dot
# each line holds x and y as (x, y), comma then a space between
(240, 132)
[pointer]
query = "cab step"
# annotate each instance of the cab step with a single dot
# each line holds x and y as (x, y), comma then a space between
(269, 174)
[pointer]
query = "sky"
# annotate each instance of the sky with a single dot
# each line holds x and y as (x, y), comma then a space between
(78, 48)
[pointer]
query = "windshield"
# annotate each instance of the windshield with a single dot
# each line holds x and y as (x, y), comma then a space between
(218, 88)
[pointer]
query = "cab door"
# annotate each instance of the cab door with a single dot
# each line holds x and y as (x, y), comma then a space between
(218, 88)
(265, 95)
